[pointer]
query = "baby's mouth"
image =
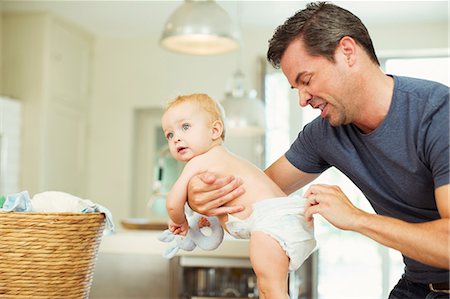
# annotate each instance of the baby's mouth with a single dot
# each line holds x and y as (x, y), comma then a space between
(181, 149)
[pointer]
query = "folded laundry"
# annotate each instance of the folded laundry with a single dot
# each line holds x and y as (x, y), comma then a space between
(18, 202)
(54, 201)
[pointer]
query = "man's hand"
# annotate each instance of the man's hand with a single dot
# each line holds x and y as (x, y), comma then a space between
(332, 204)
(207, 193)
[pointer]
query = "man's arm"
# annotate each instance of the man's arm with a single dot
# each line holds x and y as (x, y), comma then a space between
(426, 242)
(287, 176)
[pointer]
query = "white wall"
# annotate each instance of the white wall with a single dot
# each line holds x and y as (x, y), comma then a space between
(1, 43)
(407, 38)
(136, 73)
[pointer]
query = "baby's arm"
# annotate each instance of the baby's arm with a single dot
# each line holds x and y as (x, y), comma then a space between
(178, 196)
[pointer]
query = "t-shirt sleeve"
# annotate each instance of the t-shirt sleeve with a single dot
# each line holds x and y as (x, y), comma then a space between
(304, 152)
(436, 140)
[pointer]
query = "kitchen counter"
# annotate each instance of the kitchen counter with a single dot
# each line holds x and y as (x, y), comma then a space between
(146, 242)
(130, 264)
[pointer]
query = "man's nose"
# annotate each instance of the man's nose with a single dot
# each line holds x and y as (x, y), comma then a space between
(303, 98)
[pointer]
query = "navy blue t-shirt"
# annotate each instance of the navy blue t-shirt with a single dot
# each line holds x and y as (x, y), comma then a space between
(398, 165)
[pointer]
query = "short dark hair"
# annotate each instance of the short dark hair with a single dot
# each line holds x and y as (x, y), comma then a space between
(321, 26)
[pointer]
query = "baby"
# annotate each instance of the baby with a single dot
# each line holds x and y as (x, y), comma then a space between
(280, 238)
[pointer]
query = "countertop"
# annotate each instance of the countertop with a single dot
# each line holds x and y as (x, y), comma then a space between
(146, 242)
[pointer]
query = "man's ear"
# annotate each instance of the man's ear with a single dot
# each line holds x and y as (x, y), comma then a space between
(217, 129)
(347, 46)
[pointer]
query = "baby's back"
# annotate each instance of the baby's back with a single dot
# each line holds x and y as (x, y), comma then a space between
(257, 184)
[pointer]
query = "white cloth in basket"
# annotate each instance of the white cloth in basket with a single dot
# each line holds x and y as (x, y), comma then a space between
(54, 201)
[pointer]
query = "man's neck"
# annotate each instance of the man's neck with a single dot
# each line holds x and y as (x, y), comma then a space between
(376, 97)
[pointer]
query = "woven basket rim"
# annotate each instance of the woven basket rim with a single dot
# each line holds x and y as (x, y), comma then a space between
(51, 213)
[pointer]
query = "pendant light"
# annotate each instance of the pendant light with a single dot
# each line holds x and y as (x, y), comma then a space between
(245, 113)
(200, 27)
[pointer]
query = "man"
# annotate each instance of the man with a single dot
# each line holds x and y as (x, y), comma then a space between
(388, 134)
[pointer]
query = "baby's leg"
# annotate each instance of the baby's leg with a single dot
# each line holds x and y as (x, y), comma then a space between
(271, 264)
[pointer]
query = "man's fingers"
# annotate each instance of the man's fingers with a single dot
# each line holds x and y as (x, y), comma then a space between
(212, 182)
(309, 212)
(310, 201)
(215, 207)
(227, 194)
(225, 181)
(208, 178)
(322, 188)
(225, 210)
(229, 191)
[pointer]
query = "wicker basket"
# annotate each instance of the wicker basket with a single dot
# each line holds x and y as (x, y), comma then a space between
(48, 255)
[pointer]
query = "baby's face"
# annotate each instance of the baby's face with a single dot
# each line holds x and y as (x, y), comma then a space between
(187, 130)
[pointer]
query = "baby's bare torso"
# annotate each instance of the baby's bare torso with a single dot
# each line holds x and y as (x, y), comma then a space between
(256, 183)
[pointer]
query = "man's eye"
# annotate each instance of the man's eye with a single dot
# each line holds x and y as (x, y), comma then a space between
(169, 136)
(186, 126)
(308, 81)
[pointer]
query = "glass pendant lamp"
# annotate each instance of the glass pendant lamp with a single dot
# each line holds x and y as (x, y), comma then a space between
(200, 27)
(245, 113)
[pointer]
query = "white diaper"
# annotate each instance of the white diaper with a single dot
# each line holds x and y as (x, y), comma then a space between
(283, 219)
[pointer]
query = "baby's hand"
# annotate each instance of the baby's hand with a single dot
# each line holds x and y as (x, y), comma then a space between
(203, 222)
(179, 229)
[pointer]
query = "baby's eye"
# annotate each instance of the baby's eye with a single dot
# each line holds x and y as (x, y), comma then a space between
(169, 136)
(186, 126)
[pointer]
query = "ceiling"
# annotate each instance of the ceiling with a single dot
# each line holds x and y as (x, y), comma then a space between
(141, 18)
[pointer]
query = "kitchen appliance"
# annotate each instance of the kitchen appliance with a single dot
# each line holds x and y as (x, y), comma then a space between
(200, 277)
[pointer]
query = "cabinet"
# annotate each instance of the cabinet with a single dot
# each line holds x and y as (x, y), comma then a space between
(46, 65)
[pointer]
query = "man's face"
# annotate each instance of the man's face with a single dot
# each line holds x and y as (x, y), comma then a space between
(320, 82)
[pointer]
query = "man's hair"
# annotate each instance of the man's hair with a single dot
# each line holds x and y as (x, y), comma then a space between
(206, 103)
(320, 26)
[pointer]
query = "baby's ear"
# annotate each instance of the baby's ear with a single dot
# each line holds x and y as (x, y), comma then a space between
(217, 129)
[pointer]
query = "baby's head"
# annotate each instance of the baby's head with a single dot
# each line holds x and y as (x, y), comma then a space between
(193, 124)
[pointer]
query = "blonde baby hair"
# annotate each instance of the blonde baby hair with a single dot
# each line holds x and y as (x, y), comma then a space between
(206, 103)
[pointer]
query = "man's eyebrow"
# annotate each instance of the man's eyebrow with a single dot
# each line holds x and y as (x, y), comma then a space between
(297, 79)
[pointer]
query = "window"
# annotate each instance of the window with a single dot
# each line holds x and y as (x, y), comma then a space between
(350, 264)
(430, 68)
